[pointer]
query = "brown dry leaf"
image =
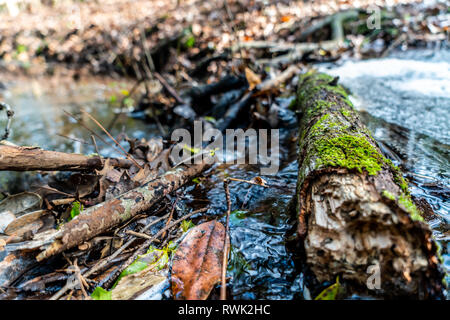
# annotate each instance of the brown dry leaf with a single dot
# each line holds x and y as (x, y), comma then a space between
(145, 174)
(286, 18)
(78, 183)
(123, 185)
(25, 222)
(259, 181)
(197, 263)
(252, 78)
(20, 203)
(104, 183)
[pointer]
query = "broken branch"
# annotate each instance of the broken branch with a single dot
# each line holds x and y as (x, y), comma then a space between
(102, 217)
(34, 158)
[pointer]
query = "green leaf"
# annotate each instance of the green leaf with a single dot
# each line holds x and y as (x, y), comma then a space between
(331, 292)
(213, 152)
(129, 102)
(156, 258)
(101, 294)
(21, 48)
(192, 150)
(171, 246)
(237, 216)
(186, 225)
(190, 41)
(76, 209)
(113, 99)
(211, 119)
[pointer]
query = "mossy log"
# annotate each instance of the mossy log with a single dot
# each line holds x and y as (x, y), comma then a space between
(353, 206)
(34, 158)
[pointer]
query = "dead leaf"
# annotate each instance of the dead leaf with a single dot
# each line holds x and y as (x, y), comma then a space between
(259, 181)
(252, 78)
(133, 285)
(25, 220)
(144, 175)
(124, 184)
(78, 183)
(21, 203)
(15, 213)
(197, 263)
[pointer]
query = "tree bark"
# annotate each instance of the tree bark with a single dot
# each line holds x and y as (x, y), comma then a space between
(33, 158)
(102, 217)
(355, 214)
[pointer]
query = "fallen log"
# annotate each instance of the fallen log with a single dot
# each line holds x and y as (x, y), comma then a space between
(34, 158)
(355, 214)
(102, 217)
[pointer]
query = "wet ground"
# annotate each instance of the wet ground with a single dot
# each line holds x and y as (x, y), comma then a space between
(406, 106)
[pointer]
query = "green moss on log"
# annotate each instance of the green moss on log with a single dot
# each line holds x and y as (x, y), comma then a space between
(348, 151)
(405, 201)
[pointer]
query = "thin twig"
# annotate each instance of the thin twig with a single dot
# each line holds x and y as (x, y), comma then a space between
(140, 235)
(249, 182)
(223, 288)
(60, 202)
(171, 213)
(95, 144)
(81, 281)
(73, 139)
(93, 132)
(9, 115)
(169, 88)
(129, 156)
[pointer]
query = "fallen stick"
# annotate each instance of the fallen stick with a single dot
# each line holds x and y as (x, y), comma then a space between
(296, 52)
(223, 288)
(335, 21)
(34, 158)
(354, 210)
(275, 46)
(104, 216)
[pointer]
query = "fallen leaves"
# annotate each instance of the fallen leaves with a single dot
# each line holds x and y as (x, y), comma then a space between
(197, 263)
(20, 217)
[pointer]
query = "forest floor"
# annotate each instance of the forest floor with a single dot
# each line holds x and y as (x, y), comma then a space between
(112, 36)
